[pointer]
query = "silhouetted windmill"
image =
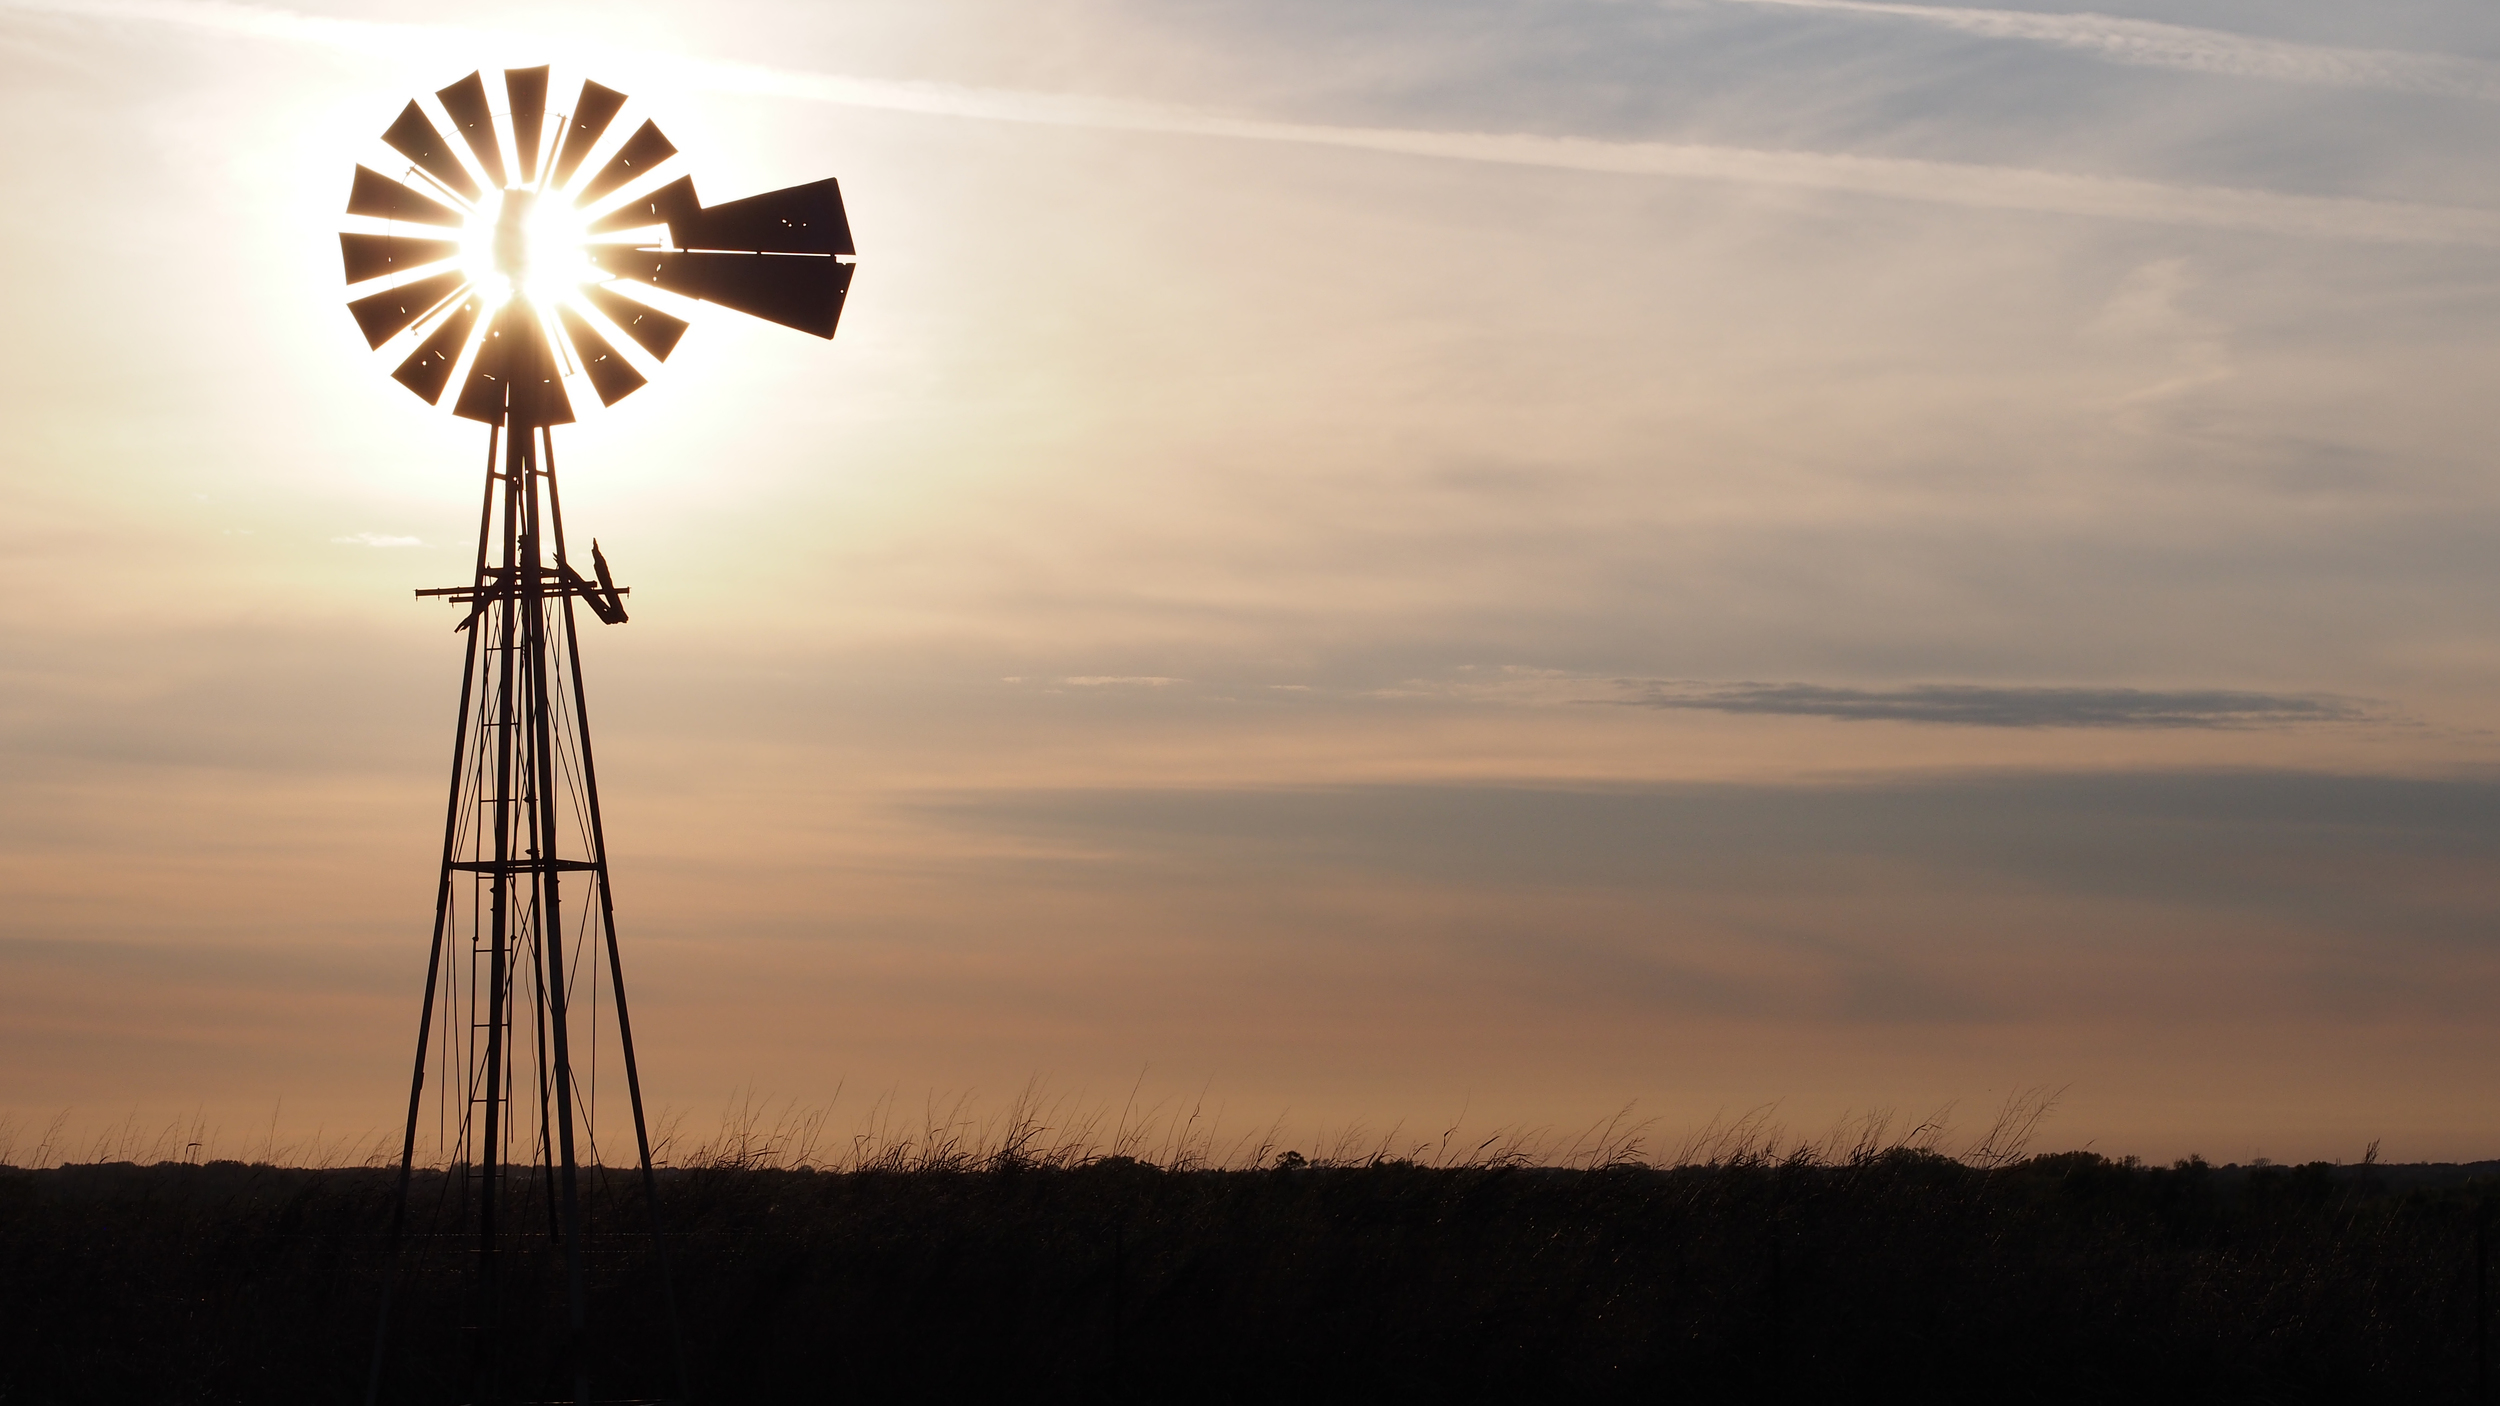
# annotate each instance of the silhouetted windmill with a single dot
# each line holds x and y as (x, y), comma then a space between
(499, 265)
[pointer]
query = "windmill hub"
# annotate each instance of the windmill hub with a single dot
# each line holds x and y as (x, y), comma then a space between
(512, 236)
(522, 243)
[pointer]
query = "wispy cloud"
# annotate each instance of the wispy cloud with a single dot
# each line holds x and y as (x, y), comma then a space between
(377, 539)
(1118, 680)
(1935, 182)
(2152, 44)
(1973, 705)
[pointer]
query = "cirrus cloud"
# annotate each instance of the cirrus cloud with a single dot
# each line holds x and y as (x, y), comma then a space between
(1976, 705)
(2153, 44)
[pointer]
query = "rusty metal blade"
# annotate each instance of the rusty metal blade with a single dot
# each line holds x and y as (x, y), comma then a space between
(642, 153)
(465, 101)
(376, 255)
(414, 137)
(592, 113)
(386, 314)
(611, 375)
(382, 198)
(515, 372)
(527, 90)
(428, 369)
(653, 330)
(671, 205)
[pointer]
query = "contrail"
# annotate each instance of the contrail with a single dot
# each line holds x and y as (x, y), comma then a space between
(2151, 44)
(1934, 182)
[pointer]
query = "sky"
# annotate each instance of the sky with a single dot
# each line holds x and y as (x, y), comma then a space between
(1354, 564)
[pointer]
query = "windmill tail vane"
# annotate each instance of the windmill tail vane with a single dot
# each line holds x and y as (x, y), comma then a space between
(546, 247)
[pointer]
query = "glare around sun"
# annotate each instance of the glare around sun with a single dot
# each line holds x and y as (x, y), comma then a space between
(544, 257)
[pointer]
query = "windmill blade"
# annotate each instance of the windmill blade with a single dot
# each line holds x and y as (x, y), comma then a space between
(386, 314)
(382, 198)
(428, 369)
(592, 113)
(653, 330)
(515, 370)
(414, 137)
(466, 102)
(527, 90)
(804, 219)
(612, 376)
(642, 153)
(374, 255)
(799, 291)
(671, 205)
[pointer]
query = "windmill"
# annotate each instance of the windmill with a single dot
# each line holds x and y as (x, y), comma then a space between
(542, 253)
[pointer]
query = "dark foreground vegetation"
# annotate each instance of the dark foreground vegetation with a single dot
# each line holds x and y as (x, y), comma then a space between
(2059, 1278)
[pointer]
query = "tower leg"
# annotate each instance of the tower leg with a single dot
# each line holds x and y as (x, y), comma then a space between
(434, 958)
(550, 917)
(616, 963)
(501, 805)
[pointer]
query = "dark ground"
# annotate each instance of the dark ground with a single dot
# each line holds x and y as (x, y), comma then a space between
(2064, 1278)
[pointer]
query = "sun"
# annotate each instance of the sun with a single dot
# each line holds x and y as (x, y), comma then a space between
(519, 243)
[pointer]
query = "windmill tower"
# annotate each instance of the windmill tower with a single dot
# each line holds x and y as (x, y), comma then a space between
(542, 253)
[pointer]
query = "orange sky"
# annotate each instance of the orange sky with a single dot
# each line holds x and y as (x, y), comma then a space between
(1378, 562)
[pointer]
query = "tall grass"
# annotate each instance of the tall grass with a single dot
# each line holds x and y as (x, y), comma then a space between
(1044, 1128)
(1054, 1247)
(1041, 1128)
(59, 1140)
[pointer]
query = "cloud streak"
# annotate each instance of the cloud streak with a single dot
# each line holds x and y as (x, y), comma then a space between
(2152, 44)
(1933, 182)
(1971, 705)
(2363, 848)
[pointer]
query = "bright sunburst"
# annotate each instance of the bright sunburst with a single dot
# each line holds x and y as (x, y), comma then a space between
(518, 241)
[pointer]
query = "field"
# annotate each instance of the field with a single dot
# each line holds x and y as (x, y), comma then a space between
(1878, 1271)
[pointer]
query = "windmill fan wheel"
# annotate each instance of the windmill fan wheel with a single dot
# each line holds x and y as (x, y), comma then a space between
(541, 244)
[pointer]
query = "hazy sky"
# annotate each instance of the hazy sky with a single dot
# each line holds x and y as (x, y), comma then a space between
(1375, 559)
